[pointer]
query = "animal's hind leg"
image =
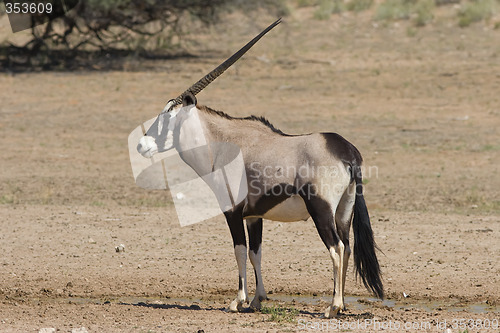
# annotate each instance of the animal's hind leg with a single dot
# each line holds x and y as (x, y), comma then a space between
(322, 212)
(254, 227)
(343, 218)
(235, 222)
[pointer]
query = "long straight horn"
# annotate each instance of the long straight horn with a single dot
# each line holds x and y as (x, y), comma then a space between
(207, 79)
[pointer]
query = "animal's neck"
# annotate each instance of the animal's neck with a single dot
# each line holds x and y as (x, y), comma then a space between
(223, 128)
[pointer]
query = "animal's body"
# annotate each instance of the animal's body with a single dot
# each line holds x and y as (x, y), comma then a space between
(289, 178)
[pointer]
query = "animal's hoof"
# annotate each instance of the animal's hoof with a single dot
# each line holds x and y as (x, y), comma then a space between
(331, 311)
(235, 306)
(255, 305)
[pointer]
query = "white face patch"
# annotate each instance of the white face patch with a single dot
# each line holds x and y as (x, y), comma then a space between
(147, 146)
(161, 119)
(169, 141)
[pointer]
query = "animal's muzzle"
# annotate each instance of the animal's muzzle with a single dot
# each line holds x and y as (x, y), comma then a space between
(147, 146)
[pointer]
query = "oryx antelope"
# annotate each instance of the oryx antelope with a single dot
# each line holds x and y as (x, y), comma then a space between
(289, 178)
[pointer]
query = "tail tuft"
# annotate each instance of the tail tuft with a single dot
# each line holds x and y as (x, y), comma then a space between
(365, 258)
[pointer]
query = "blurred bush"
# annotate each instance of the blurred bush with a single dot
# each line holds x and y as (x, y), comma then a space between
(475, 11)
(418, 12)
(328, 7)
(126, 25)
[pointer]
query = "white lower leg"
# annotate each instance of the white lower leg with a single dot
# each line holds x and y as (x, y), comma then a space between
(260, 292)
(337, 255)
(345, 262)
(240, 251)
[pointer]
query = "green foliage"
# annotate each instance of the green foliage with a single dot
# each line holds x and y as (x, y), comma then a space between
(423, 12)
(419, 11)
(8, 199)
(411, 32)
(280, 314)
(475, 11)
(327, 8)
(393, 10)
(306, 3)
(359, 5)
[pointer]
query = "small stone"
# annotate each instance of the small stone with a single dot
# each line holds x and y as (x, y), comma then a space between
(79, 330)
(120, 248)
(47, 330)
(462, 118)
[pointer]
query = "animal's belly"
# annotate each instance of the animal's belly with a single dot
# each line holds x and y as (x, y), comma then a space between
(291, 210)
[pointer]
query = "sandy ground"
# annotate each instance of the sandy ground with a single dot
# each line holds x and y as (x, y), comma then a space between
(422, 107)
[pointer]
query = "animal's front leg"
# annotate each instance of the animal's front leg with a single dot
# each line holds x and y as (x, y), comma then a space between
(254, 227)
(240, 251)
(235, 223)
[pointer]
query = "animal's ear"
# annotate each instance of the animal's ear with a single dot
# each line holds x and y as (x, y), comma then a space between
(188, 99)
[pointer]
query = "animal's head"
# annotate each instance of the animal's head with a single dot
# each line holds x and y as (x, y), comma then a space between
(166, 132)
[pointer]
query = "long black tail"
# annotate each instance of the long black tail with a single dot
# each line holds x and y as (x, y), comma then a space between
(365, 259)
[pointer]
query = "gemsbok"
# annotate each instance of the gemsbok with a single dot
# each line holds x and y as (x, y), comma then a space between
(285, 178)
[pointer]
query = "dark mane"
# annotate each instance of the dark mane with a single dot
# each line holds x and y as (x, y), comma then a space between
(251, 118)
